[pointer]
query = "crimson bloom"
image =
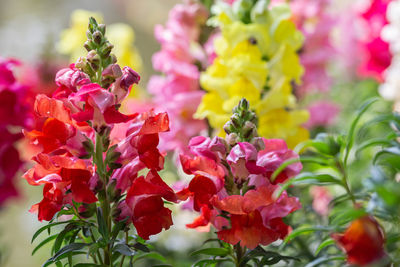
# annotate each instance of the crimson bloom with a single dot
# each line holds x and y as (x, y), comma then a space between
(363, 241)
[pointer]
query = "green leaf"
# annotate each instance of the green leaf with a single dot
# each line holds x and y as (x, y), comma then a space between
(342, 217)
(41, 244)
(64, 251)
(88, 265)
(152, 255)
(61, 235)
(268, 257)
(141, 247)
(391, 151)
(305, 230)
(374, 142)
(124, 249)
(103, 230)
(324, 244)
(350, 137)
(211, 251)
(318, 261)
(283, 167)
(38, 232)
(207, 262)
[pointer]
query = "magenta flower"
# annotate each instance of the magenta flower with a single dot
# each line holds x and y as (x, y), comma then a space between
(14, 114)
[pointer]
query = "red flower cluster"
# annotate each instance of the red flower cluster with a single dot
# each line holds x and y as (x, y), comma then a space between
(80, 112)
(232, 188)
(14, 114)
(363, 241)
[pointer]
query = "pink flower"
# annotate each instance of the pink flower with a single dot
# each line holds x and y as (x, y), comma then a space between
(177, 91)
(321, 199)
(322, 113)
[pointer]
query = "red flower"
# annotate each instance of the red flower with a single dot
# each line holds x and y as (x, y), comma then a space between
(60, 173)
(363, 241)
(256, 217)
(208, 180)
(53, 136)
(145, 200)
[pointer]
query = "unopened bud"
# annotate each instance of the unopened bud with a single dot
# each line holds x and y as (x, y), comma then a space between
(113, 192)
(87, 46)
(102, 28)
(89, 34)
(258, 143)
(232, 139)
(81, 63)
(107, 49)
(87, 210)
(244, 104)
(113, 58)
(97, 37)
(228, 127)
(235, 119)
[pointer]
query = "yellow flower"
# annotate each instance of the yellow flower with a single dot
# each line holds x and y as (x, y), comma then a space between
(257, 61)
(120, 35)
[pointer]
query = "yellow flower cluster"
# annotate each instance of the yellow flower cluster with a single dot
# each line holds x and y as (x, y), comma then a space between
(258, 61)
(120, 35)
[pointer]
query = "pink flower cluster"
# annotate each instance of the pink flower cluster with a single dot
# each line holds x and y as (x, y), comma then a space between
(313, 19)
(14, 114)
(233, 190)
(177, 91)
(376, 56)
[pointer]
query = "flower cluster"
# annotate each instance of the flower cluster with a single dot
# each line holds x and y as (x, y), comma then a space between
(177, 91)
(91, 153)
(256, 59)
(391, 34)
(233, 186)
(14, 114)
(376, 55)
(119, 34)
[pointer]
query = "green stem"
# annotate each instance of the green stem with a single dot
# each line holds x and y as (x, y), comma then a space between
(239, 251)
(104, 203)
(345, 180)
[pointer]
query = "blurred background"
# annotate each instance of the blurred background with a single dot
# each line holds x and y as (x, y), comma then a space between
(30, 31)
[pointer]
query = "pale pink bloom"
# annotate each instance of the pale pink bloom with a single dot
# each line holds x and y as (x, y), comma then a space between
(321, 199)
(322, 113)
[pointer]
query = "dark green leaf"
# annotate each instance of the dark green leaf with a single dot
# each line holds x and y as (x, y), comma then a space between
(211, 251)
(64, 251)
(124, 249)
(152, 255)
(141, 247)
(41, 244)
(61, 235)
(103, 230)
(38, 232)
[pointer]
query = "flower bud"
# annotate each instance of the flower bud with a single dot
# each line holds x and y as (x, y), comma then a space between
(232, 139)
(97, 37)
(113, 193)
(258, 143)
(106, 50)
(87, 45)
(102, 28)
(248, 129)
(87, 210)
(228, 127)
(93, 57)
